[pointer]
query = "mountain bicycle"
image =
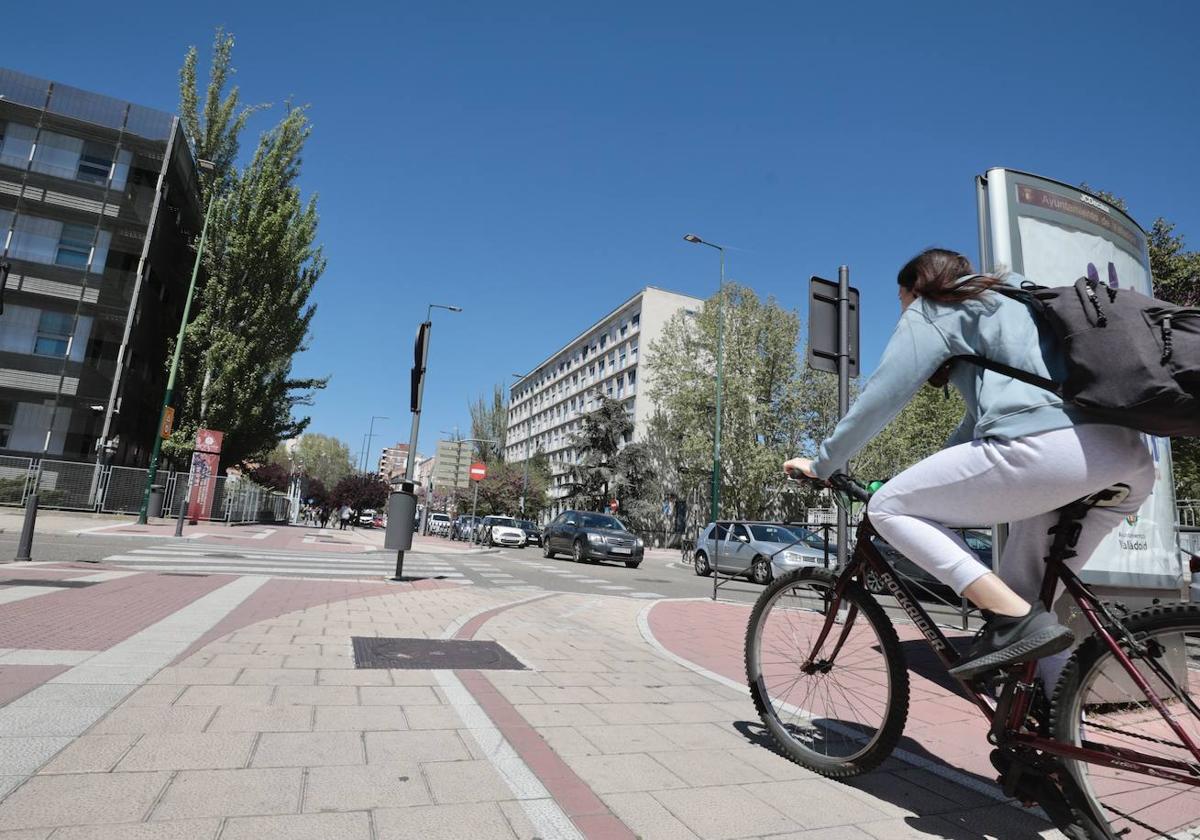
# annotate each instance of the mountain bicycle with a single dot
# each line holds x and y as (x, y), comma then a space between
(1114, 752)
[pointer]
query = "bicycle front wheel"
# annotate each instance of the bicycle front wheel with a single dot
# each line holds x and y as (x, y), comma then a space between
(837, 709)
(1098, 706)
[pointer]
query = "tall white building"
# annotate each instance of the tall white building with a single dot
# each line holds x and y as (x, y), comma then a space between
(546, 407)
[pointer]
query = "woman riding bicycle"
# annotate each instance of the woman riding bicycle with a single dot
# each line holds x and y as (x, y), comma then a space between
(1018, 455)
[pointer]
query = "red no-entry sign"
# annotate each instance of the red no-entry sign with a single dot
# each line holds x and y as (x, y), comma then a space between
(478, 471)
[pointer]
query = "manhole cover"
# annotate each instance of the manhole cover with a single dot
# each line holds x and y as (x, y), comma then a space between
(61, 584)
(432, 654)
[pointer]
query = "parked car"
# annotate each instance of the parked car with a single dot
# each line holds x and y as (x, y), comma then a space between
(379, 520)
(759, 550)
(501, 530)
(366, 519)
(592, 537)
(438, 524)
(925, 584)
(463, 527)
(533, 534)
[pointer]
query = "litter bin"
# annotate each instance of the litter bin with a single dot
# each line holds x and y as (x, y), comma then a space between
(156, 500)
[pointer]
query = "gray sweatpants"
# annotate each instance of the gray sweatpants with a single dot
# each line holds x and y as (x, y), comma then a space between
(1022, 482)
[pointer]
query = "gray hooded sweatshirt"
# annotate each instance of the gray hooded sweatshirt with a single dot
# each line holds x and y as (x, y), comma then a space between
(998, 406)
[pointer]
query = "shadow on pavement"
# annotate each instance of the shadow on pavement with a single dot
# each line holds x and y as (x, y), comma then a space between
(938, 807)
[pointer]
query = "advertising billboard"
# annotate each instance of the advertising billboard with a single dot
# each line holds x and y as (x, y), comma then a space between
(1053, 234)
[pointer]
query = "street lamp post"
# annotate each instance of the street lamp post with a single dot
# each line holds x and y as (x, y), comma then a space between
(366, 459)
(716, 470)
(152, 472)
(420, 364)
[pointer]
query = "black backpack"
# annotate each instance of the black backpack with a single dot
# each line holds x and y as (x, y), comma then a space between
(1132, 360)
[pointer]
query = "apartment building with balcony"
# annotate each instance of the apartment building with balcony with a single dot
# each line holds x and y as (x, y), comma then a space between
(393, 461)
(547, 406)
(99, 202)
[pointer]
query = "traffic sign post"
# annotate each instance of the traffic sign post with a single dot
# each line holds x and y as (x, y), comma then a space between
(833, 320)
(478, 473)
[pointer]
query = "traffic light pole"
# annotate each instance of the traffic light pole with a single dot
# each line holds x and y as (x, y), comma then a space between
(843, 315)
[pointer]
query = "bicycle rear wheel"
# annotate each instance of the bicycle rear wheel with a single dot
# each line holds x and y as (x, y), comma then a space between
(839, 710)
(1097, 705)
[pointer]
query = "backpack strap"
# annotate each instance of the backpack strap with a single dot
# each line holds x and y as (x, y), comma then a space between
(1016, 373)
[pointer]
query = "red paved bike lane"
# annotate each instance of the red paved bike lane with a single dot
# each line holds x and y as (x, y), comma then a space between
(943, 726)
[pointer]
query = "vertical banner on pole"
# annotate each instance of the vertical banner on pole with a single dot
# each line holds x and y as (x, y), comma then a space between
(206, 460)
(1053, 234)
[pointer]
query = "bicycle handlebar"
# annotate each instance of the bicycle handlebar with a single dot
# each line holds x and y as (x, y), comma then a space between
(838, 482)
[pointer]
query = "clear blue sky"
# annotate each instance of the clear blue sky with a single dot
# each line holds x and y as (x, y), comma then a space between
(536, 163)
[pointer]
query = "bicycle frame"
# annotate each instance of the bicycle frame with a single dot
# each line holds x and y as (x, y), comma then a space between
(1007, 717)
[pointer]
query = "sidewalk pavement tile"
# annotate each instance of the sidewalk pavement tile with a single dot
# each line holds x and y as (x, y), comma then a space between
(143, 719)
(571, 694)
(841, 832)
(466, 781)
(262, 719)
(48, 720)
(182, 830)
(410, 695)
(568, 741)
(560, 714)
(710, 767)
(443, 822)
(626, 738)
(717, 813)
(622, 773)
(191, 751)
(316, 695)
(365, 786)
(406, 677)
(359, 718)
(999, 820)
(277, 676)
(425, 746)
(774, 765)
(365, 676)
(816, 803)
(631, 713)
(91, 754)
(352, 826)
(646, 816)
(181, 675)
(21, 756)
(226, 695)
(81, 799)
(220, 793)
(26, 834)
(245, 660)
(308, 749)
(700, 736)
(909, 827)
(154, 695)
(66, 694)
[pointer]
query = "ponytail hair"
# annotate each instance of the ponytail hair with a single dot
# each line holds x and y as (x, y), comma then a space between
(944, 276)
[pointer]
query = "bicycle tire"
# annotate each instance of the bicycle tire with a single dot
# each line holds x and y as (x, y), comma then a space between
(1103, 795)
(880, 743)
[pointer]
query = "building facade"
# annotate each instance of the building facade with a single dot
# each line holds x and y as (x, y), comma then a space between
(546, 406)
(99, 203)
(393, 461)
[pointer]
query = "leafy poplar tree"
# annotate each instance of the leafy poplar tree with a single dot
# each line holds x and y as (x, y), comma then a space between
(261, 263)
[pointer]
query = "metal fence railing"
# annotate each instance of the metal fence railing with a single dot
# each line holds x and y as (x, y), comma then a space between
(73, 485)
(15, 478)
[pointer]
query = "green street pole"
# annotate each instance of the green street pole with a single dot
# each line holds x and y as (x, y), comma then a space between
(716, 477)
(152, 473)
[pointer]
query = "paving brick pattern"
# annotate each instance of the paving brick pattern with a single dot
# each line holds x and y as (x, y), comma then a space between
(266, 730)
(98, 617)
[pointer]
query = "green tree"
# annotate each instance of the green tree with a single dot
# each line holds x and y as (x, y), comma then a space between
(261, 263)
(770, 410)
(361, 492)
(489, 422)
(612, 466)
(320, 456)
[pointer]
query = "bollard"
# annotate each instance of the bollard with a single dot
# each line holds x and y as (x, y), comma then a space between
(25, 545)
(179, 520)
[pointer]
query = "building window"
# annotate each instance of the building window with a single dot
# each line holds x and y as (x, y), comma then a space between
(74, 246)
(601, 367)
(622, 357)
(633, 351)
(53, 335)
(95, 162)
(8, 411)
(624, 329)
(633, 377)
(637, 319)
(603, 340)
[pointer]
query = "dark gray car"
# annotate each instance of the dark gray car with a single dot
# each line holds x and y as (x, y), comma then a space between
(758, 550)
(591, 537)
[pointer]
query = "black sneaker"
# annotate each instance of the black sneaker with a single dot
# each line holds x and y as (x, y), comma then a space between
(1006, 640)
